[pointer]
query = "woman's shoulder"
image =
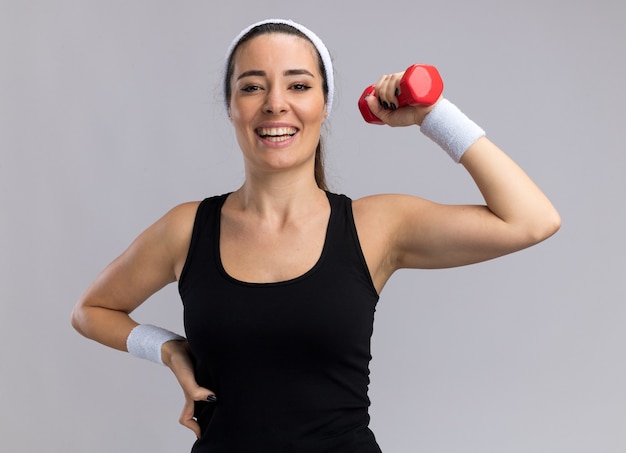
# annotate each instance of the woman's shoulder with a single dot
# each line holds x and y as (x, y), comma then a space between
(186, 211)
(383, 214)
(181, 213)
(387, 202)
(176, 229)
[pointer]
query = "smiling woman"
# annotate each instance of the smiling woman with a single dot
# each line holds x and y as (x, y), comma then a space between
(277, 103)
(323, 62)
(280, 278)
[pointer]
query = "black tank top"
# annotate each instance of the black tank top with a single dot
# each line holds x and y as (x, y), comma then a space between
(288, 361)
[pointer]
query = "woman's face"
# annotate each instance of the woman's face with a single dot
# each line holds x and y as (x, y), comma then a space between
(277, 104)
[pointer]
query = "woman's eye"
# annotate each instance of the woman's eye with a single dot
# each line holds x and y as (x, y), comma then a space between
(300, 87)
(250, 88)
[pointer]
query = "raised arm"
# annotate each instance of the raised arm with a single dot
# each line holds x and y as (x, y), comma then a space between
(418, 233)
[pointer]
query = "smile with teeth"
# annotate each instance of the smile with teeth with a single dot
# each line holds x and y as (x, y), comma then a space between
(276, 134)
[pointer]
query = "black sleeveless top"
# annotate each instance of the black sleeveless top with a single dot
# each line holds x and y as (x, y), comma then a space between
(288, 361)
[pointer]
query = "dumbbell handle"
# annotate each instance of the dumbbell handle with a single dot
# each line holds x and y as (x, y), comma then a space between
(420, 85)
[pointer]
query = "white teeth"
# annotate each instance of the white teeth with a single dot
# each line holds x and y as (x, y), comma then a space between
(276, 132)
(278, 138)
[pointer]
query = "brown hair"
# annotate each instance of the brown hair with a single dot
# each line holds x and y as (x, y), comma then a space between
(320, 174)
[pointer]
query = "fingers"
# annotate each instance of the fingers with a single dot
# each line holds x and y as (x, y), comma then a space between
(193, 391)
(375, 107)
(187, 419)
(387, 90)
(182, 366)
(202, 394)
(384, 105)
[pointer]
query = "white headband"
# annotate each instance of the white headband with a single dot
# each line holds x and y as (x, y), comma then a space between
(317, 42)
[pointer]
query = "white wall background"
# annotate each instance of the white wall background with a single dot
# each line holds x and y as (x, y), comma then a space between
(110, 114)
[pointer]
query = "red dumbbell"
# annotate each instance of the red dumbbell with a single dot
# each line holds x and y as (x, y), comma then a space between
(420, 85)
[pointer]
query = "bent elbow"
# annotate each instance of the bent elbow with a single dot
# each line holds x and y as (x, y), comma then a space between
(544, 227)
(556, 224)
(552, 224)
(77, 319)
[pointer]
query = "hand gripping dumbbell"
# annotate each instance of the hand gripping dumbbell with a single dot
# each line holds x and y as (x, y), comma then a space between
(420, 85)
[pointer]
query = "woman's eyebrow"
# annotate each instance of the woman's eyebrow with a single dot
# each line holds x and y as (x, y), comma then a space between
(288, 72)
(251, 73)
(291, 72)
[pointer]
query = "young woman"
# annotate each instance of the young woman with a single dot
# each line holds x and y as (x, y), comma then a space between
(279, 278)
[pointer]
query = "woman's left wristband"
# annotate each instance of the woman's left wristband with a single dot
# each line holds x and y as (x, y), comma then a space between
(451, 129)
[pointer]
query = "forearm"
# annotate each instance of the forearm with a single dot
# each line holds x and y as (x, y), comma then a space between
(508, 191)
(104, 325)
(511, 196)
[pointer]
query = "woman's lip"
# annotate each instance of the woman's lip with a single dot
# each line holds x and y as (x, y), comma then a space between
(275, 131)
(277, 141)
(283, 132)
(273, 124)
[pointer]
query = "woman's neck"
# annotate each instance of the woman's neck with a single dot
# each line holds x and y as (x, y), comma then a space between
(279, 198)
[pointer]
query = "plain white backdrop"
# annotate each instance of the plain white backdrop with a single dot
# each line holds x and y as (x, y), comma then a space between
(111, 113)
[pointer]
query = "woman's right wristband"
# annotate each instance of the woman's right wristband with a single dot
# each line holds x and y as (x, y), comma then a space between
(145, 342)
(451, 129)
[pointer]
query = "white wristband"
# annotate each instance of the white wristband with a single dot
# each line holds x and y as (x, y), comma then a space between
(447, 126)
(145, 342)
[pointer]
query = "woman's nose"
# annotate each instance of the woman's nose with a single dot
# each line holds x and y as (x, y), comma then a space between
(275, 102)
